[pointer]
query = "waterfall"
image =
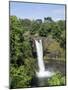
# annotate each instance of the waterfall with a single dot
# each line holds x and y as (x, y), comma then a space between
(40, 55)
(42, 71)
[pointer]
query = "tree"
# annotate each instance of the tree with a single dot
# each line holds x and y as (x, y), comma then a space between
(48, 19)
(16, 38)
(45, 29)
(34, 27)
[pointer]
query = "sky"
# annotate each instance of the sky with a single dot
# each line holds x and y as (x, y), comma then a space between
(37, 10)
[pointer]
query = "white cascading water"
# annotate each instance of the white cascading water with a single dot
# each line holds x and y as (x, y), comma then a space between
(40, 55)
(42, 72)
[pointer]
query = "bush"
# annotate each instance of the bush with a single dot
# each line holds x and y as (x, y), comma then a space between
(57, 79)
(19, 77)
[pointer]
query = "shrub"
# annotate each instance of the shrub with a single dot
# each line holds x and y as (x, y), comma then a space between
(57, 79)
(19, 77)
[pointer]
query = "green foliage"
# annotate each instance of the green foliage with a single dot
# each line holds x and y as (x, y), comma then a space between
(34, 27)
(57, 79)
(15, 39)
(30, 66)
(21, 72)
(26, 49)
(45, 29)
(20, 77)
(22, 62)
